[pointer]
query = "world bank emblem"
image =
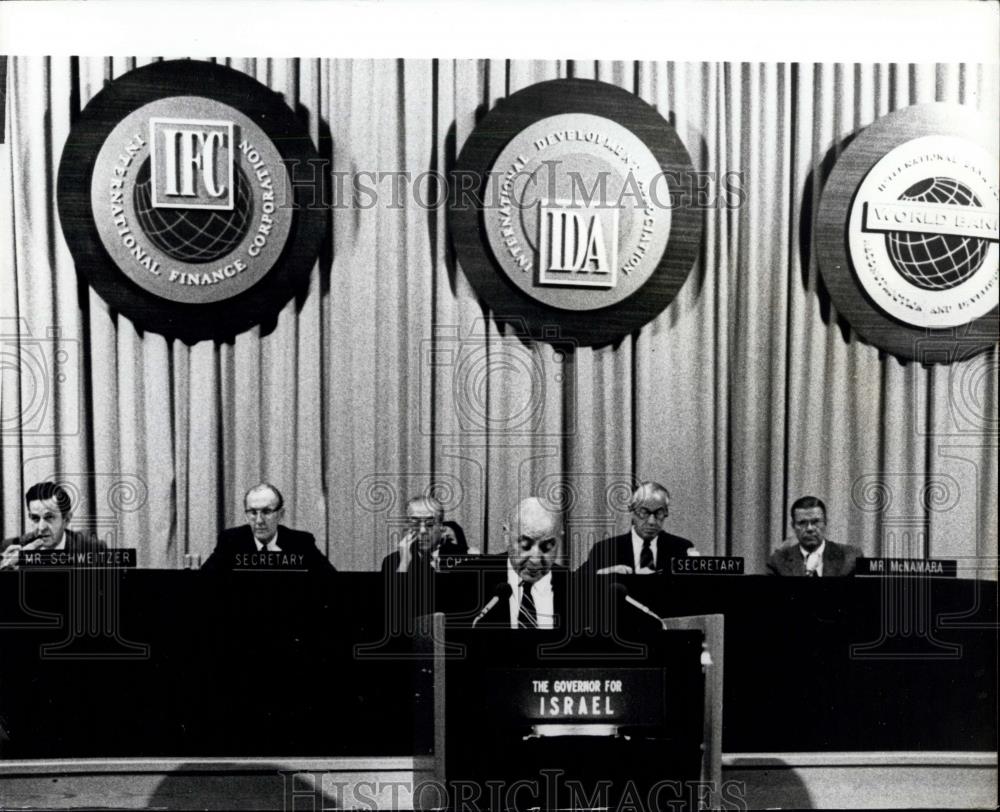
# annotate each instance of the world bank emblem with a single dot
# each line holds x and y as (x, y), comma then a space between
(175, 198)
(918, 192)
(923, 232)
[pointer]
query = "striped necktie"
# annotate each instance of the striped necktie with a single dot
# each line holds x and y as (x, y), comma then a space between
(527, 617)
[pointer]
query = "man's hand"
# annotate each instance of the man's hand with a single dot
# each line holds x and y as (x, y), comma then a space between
(10, 557)
(617, 569)
(31, 540)
(405, 546)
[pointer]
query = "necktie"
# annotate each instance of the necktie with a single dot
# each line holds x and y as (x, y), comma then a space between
(812, 564)
(527, 617)
(646, 556)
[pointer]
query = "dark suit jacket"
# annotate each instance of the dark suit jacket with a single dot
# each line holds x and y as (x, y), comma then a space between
(492, 571)
(75, 543)
(391, 562)
(239, 540)
(838, 560)
(618, 550)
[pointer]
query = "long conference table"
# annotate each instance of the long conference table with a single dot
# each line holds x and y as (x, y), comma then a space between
(146, 663)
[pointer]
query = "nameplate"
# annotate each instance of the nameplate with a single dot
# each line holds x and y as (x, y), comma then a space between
(937, 567)
(619, 696)
(124, 558)
(447, 562)
(707, 565)
(269, 561)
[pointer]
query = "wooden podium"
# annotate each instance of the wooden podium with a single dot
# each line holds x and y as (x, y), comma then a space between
(547, 719)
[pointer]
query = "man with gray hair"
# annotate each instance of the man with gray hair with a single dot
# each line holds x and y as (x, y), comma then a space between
(264, 543)
(428, 537)
(647, 548)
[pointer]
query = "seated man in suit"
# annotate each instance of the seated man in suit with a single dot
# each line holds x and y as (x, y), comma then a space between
(427, 539)
(537, 595)
(812, 554)
(647, 548)
(264, 542)
(49, 512)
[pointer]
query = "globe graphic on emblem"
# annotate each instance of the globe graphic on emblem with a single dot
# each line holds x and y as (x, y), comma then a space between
(193, 235)
(937, 261)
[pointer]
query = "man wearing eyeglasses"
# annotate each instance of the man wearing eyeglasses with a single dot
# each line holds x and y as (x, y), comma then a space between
(812, 554)
(264, 543)
(428, 537)
(647, 548)
(537, 583)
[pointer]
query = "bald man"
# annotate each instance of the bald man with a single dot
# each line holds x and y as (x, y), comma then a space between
(538, 584)
(264, 543)
(647, 548)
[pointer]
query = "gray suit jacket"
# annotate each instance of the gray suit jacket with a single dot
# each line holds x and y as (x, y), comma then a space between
(838, 560)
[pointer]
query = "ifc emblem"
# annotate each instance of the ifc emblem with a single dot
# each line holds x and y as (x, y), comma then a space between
(176, 199)
(188, 206)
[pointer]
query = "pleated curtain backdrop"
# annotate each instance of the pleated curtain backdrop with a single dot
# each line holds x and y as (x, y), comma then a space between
(388, 376)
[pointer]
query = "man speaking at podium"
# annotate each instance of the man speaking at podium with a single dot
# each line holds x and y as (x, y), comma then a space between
(528, 588)
(264, 543)
(814, 555)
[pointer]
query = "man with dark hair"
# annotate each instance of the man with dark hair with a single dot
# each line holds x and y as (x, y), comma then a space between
(49, 512)
(264, 543)
(812, 554)
(647, 548)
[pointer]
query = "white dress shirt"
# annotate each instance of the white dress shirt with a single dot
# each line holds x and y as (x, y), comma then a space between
(270, 547)
(541, 593)
(816, 557)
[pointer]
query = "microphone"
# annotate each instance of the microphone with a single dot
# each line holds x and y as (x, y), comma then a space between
(621, 592)
(501, 593)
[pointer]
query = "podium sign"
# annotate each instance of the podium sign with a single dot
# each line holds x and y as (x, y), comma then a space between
(542, 717)
(621, 696)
